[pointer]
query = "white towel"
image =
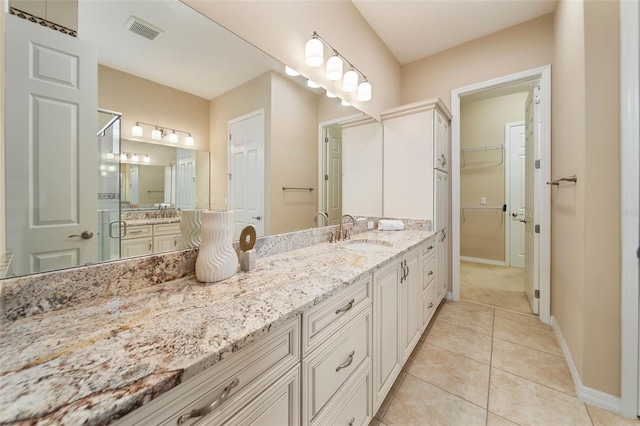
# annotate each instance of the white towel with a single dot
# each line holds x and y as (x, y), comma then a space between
(390, 225)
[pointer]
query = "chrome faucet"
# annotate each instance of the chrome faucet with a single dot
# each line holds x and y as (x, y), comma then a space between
(345, 235)
(326, 218)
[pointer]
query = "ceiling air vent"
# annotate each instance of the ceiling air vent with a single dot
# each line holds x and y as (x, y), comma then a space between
(143, 29)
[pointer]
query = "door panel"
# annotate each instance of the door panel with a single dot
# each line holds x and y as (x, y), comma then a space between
(532, 132)
(51, 162)
(517, 191)
(334, 172)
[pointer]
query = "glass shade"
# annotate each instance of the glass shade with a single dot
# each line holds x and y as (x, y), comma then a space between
(350, 81)
(188, 140)
(136, 130)
(364, 91)
(312, 84)
(334, 68)
(156, 134)
(173, 137)
(313, 53)
(290, 71)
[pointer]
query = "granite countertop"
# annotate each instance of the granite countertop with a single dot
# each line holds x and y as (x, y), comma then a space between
(97, 361)
(152, 221)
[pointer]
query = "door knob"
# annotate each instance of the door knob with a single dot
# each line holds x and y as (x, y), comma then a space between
(86, 235)
(256, 217)
(514, 214)
(523, 221)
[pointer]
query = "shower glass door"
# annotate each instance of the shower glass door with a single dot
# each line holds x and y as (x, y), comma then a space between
(109, 190)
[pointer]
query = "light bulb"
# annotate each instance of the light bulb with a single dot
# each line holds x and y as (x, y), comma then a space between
(364, 91)
(331, 95)
(350, 81)
(188, 140)
(290, 71)
(136, 130)
(156, 134)
(334, 68)
(134, 158)
(146, 159)
(173, 137)
(313, 53)
(345, 103)
(312, 84)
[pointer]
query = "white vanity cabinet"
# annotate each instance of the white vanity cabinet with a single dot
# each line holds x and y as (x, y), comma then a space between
(441, 136)
(166, 237)
(442, 228)
(138, 241)
(397, 319)
(258, 385)
(429, 281)
(337, 358)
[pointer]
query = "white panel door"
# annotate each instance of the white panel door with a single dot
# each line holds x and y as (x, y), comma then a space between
(532, 256)
(333, 145)
(517, 191)
(442, 225)
(246, 172)
(186, 179)
(51, 145)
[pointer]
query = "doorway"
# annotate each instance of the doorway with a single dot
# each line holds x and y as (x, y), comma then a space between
(493, 209)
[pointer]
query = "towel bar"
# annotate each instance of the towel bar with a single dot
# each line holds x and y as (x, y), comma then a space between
(556, 182)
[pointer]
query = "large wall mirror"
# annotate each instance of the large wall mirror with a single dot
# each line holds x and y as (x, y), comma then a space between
(181, 114)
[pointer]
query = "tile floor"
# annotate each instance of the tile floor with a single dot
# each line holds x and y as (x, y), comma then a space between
(498, 286)
(478, 365)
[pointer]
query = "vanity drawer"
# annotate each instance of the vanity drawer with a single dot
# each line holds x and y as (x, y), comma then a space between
(323, 320)
(327, 370)
(429, 303)
(138, 231)
(429, 248)
(428, 271)
(166, 228)
(242, 375)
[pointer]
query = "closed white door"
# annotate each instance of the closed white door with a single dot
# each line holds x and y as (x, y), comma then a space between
(51, 165)
(517, 191)
(186, 179)
(333, 176)
(532, 256)
(246, 172)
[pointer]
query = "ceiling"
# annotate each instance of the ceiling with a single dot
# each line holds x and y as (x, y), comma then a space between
(414, 29)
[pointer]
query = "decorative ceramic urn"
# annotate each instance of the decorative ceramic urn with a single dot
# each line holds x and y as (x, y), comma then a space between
(217, 260)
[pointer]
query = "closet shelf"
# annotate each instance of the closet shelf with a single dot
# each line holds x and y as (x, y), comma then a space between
(482, 149)
(482, 209)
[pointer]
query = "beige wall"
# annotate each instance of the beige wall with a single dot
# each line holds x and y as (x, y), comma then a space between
(522, 47)
(294, 155)
(143, 100)
(482, 235)
(585, 239)
(282, 28)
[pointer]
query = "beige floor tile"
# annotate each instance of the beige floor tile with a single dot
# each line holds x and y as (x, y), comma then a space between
(601, 417)
(532, 364)
(461, 341)
(473, 320)
(525, 318)
(454, 373)
(412, 356)
(471, 306)
(392, 392)
(496, 420)
(376, 422)
(525, 334)
(420, 403)
(528, 403)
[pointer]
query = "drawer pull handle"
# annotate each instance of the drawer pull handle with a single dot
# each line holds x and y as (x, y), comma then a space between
(430, 273)
(353, 420)
(347, 362)
(431, 305)
(430, 248)
(209, 409)
(346, 308)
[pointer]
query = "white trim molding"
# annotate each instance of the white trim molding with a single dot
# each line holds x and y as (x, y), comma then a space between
(586, 394)
(483, 261)
(544, 75)
(630, 203)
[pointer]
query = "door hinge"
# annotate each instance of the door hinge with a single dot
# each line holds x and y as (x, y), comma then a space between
(229, 174)
(537, 164)
(326, 177)
(537, 100)
(536, 294)
(536, 229)
(326, 139)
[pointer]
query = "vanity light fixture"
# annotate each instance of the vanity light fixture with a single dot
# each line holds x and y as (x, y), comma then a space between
(344, 103)
(146, 159)
(160, 132)
(312, 84)
(134, 158)
(123, 156)
(290, 71)
(314, 57)
(110, 156)
(136, 130)
(331, 95)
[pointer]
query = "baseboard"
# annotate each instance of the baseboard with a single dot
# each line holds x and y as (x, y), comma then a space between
(485, 261)
(586, 394)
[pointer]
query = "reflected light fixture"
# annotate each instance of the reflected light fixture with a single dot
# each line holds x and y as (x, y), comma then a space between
(123, 157)
(146, 159)
(314, 57)
(188, 140)
(110, 156)
(112, 168)
(173, 137)
(331, 95)
(136, 130)
(334, 67)
(134, 158)
(345, 103)
(312, 84)
(364, 91)
(160, 132)
(290, 71)
(313, 52)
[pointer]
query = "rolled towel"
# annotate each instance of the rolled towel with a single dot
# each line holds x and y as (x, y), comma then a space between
(390, 225)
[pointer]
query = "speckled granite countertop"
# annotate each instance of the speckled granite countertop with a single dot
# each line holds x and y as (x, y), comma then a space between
(152, 221)
(95, 362)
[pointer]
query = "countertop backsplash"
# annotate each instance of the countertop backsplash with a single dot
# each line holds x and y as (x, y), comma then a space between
(29, 295)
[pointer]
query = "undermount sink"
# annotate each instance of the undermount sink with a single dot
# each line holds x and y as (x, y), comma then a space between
(367, 245)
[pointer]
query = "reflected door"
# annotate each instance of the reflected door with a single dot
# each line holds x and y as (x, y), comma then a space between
(186, 179)
(333, 174)
(50, 148)
(532, 256)
(246, 172)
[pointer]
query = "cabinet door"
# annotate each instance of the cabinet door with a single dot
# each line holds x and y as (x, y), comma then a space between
(442, 223)
(136, 247)
(411, 288)
(387, 354)
(164, 243)
(441, 142)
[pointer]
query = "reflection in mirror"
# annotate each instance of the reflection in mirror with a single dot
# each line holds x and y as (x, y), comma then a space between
(195, 76)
